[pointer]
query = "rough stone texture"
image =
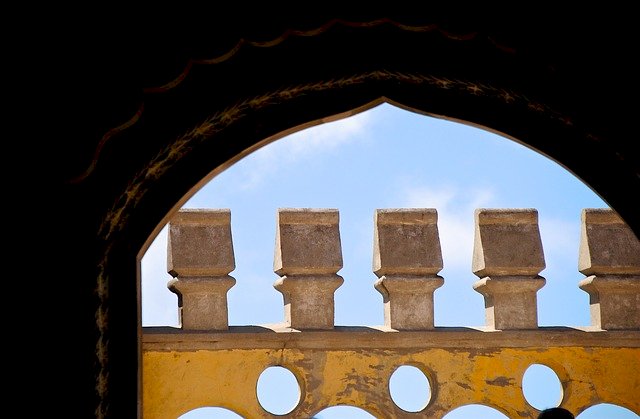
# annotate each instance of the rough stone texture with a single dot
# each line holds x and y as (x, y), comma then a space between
(200, 243)
(406, 258)
(607, 245)
(510, 302)
(307, 242)
(508, 257)
(406, 242)
(308, 256)
(202, 302)
(200, 257)
(507, 242)
(610, 255)
(308, 300)
(408, 301)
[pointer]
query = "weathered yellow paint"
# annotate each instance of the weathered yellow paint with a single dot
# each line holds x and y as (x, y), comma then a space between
(175, 382)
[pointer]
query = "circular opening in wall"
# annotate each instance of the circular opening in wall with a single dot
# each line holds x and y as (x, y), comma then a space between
(541, 387)
(409, 388)
(210, 413)
(337, 412)
(475, 411)
(607, 410)
(278, 390)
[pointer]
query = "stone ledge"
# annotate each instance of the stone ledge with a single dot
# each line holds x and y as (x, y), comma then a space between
(382, 338)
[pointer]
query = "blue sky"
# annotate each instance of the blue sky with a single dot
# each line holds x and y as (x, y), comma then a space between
(388, 158)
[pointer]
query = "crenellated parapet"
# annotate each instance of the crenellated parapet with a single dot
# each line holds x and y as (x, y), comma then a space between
(507, 257)
(206, 362)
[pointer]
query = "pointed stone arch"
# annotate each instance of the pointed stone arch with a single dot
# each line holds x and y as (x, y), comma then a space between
(221, 111)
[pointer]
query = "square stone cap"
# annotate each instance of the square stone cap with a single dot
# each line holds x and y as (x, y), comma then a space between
(489, 216)
(218, 216)
(307, 241)
(600, 216)
(200, 243)
(406, 216)
(507, 242)
(308, 216)
(607, 244)
(406, 242)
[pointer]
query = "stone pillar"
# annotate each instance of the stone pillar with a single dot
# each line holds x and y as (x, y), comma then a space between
(200, 258)
(308, 256)
(406, 259)
(508, 256)
(610, 256)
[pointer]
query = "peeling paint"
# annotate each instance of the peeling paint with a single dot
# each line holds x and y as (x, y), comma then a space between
(500, 381)
(464, 385)
(175, 382)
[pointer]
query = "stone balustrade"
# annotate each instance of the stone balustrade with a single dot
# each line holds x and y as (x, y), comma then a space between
(206, 362)
(507, 257)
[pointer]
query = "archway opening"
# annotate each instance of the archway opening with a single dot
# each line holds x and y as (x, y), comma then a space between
(386, 157)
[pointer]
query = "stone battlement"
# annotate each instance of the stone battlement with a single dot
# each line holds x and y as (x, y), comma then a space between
(193, 366)
(507, 258)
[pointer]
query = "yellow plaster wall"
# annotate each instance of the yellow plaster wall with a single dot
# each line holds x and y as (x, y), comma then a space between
(175, 382)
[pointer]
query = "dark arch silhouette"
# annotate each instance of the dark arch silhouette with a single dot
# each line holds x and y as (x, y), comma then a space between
(164, 107)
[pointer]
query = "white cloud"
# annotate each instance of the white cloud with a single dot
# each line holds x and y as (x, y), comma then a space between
(309, 142)
(561, 243)
(327, 136)
(560, 239)
(455, 208)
